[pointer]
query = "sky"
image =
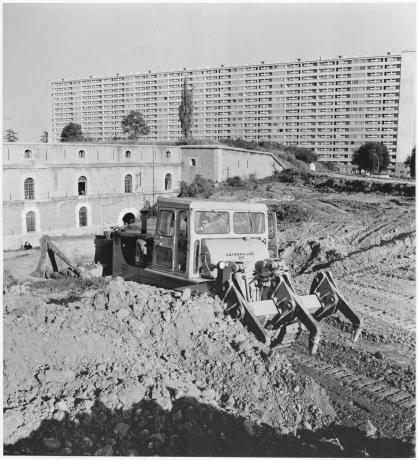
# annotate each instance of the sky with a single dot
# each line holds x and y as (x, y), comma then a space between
(49, 41)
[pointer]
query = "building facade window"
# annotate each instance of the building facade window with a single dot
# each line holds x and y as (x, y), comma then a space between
(30, 222)
(28, 153)
(82, 217)
(82, 185)
(29, 189)
(127, 154)
(192, 161)
(128, 183)
(81, 154)
(167, 182)
(168, 154)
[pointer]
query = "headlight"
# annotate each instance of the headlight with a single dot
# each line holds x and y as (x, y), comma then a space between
(221, 265)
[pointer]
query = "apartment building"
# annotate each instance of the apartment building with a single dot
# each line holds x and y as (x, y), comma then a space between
(332, 105)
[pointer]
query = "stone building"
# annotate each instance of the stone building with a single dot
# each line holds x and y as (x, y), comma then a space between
(81, 188)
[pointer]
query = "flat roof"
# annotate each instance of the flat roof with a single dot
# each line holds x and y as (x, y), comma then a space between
(212, 67)
(208, 205)
(223, 147)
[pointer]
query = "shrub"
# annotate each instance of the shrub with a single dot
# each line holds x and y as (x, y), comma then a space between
(326, 166)
(290, 212)
(290, 176)
(199, 187)
(195, 141)
(235, 181)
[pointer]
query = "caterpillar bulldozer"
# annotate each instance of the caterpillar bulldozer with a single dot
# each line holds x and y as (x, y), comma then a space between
(229, 250)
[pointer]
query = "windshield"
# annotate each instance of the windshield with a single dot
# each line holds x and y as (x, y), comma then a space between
(249, 222)
(211, 222)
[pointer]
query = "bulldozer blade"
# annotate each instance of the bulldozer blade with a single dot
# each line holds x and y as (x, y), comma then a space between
(332, 301)
(291, 310)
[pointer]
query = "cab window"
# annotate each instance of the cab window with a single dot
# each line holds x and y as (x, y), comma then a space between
(166, 223)
(207, 222)
(182, 241)
(249, 222)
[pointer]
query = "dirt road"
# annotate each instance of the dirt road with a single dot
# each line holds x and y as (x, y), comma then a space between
(117, 368)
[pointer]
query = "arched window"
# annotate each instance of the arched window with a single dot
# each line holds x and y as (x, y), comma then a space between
(82, 185)
(82, 217)
(128, 183)
(168, 154)
(81, 154)
(127, 154)
(167, 182)
(30, 222)
(29, 189)
(28, 153)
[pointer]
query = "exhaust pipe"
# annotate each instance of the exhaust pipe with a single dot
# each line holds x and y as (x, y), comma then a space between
(144, 220)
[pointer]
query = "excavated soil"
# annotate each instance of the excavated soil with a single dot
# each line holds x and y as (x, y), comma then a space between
(109, 350)
(108, 367)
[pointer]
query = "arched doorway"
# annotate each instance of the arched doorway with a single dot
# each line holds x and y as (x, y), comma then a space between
(82, 185)
(128, 218)
(127, 214)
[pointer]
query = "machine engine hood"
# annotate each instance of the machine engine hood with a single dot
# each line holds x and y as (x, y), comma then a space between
(234, 250)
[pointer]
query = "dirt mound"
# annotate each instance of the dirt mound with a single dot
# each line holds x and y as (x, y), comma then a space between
(325, 183)
(124, 344)
(313, 255)
(290, 212)
(337, 184)
(8, 281)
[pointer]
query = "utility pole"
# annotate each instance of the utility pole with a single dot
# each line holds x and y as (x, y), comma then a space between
(153, 174)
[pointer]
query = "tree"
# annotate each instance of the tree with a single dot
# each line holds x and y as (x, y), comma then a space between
(10, 135)
(72, 133)
(134, 124)
(371, 157)
(186, 110)
(410, 163)
(44, 137)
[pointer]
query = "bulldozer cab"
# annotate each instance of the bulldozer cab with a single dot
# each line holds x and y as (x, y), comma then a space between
(193, 236)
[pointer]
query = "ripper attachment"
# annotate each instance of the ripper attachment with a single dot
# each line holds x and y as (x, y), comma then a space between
(266, 302)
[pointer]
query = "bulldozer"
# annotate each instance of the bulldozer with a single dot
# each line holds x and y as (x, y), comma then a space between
(227, 249)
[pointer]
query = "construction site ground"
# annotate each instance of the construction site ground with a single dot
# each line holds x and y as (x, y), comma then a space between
(108, 367)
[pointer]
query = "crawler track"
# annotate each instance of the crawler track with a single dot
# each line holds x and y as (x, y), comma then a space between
(360, 383)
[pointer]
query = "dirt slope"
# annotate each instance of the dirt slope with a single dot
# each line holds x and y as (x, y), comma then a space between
(368, 243)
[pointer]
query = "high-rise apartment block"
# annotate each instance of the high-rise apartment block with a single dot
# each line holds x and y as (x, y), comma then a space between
(332, 105)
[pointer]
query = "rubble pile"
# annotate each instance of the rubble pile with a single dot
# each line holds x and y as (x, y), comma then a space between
(145, 371)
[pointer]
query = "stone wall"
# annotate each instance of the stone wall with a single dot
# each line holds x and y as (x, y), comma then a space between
(218, 163)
